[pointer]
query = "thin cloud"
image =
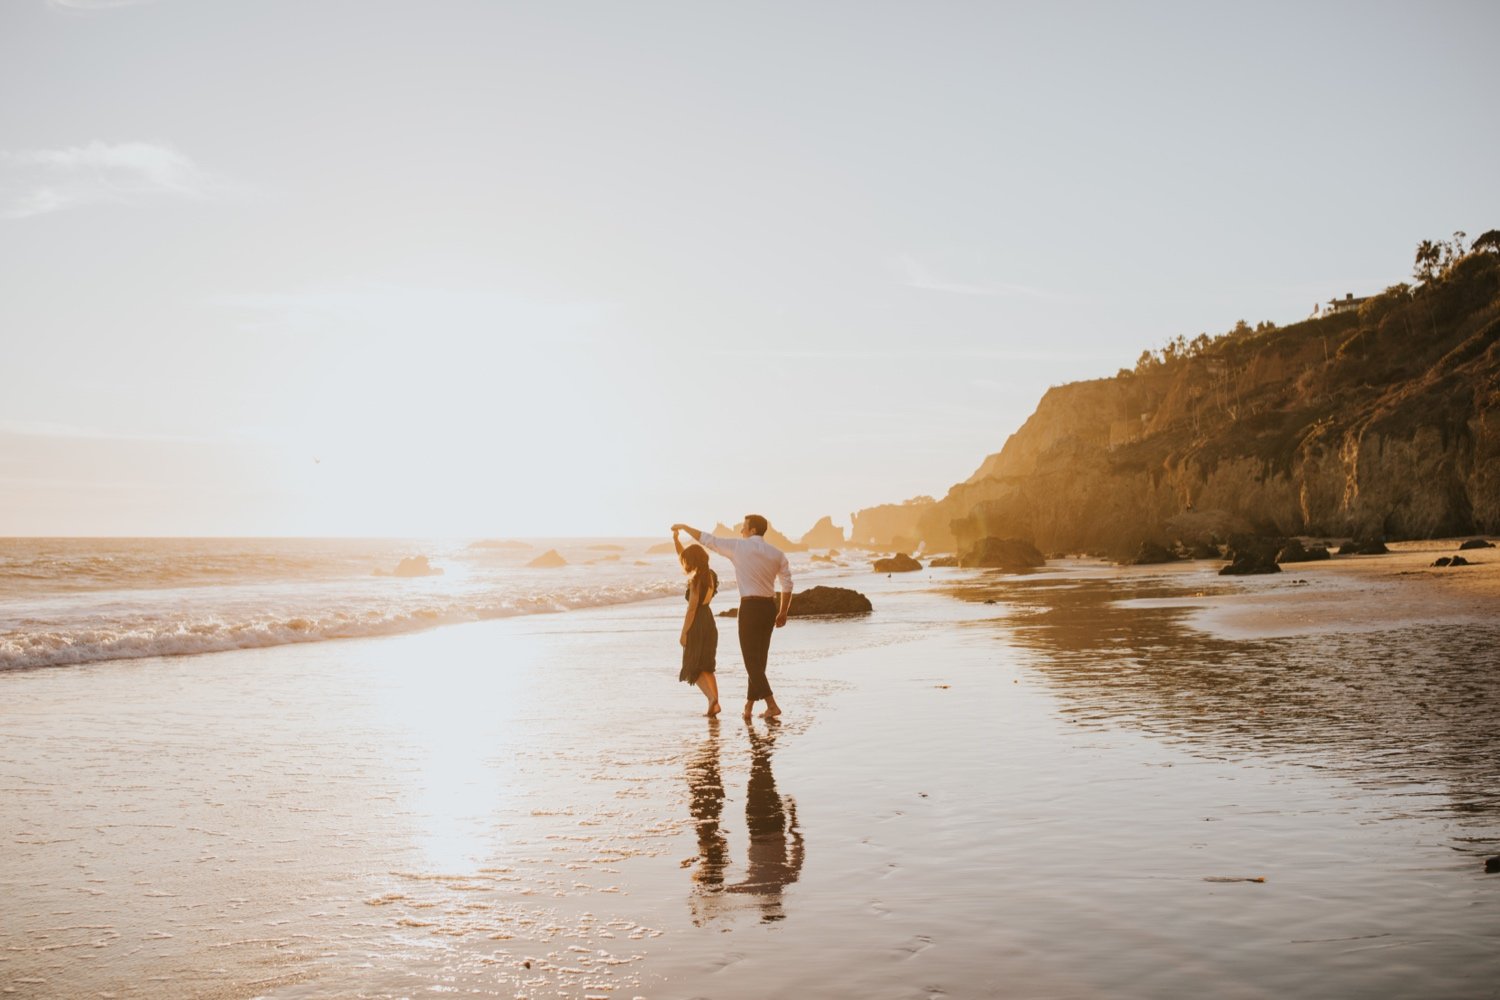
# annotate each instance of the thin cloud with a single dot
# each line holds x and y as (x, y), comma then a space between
(40, 181)
(915, 274)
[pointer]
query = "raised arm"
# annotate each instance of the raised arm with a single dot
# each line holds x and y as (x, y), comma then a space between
(677, 541)
(697, 535)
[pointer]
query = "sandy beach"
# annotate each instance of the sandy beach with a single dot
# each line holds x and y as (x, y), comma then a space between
(1085, 782)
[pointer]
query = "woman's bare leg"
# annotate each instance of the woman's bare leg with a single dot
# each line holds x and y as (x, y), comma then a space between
(709, 685)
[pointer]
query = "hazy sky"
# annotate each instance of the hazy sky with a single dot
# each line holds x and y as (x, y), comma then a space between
(467, 267)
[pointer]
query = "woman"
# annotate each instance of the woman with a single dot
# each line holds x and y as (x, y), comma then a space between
(700, 635)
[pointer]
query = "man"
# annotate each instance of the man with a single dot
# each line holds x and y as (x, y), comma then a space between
(758, 566)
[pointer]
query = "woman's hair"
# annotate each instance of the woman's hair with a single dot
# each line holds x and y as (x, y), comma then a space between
(695, 558)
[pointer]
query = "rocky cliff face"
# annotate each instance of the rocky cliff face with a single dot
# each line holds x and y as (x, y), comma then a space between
(1380, 421)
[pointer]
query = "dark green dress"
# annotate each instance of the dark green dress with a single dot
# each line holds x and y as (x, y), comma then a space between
(702, 640)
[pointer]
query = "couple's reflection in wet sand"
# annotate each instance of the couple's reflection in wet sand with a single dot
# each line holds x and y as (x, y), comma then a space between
(774, 856)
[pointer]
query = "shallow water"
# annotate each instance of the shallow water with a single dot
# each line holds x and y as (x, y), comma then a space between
(1034, 798)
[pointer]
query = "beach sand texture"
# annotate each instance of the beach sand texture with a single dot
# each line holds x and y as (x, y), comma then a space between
(1058, 794)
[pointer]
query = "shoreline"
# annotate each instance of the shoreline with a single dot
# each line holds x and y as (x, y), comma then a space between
(1400, 589)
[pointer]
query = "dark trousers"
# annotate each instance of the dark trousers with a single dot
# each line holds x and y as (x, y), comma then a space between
(757, 622)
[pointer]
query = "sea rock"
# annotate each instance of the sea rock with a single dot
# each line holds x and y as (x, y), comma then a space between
(1249, 567)
(1151, 553)
(899, 563)
(1294, 552)
(1476, 543)
(661, 549)
(818, 557)
(820, 602)
(413, 566)
(823, 535)
(1013, 554)
(1250, 555)
(548, 560)
(944, 561)
(1451, 561)
(1363, 547)
(1492, 865)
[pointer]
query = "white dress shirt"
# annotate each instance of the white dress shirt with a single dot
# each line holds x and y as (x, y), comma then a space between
(758, 565)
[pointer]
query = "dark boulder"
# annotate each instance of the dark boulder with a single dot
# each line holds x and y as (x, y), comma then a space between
(944, 561)
(898, 563)
(1249, 567)
(1451, 561)
(1363, 547)
(816, 602)
(1250, 555)
(1295, 552)
(1013, 554)
(1150, 553)
(1476, 543)
(821, 602)
(1492, 865)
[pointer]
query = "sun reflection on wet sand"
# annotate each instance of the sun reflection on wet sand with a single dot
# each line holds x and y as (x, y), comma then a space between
(445, 719)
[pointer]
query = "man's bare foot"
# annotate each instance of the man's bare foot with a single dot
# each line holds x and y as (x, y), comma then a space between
(772, 709)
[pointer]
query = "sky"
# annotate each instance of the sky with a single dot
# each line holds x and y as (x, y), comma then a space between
(473, 268)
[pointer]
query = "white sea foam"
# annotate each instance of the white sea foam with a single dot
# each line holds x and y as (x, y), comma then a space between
(184, 633)
(75, 601)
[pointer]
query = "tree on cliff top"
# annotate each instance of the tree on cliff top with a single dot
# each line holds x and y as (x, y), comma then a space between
(1436, 258)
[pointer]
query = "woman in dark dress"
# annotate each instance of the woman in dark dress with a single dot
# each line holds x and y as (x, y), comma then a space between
(700, 635)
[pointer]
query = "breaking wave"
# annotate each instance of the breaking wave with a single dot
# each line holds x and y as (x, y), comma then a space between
(39, 642)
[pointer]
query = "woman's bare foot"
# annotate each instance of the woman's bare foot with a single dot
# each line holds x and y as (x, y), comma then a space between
(749, 706)
(714, 710)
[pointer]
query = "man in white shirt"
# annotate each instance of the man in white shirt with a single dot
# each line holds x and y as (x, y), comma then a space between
(758, 566)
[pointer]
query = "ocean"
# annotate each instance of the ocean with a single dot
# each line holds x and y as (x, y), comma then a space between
(66, 601)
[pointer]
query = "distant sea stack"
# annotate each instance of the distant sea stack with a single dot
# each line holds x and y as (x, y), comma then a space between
(823, 535)
(1379, 418)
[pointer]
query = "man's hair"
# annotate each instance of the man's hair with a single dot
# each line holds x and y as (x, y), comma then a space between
(756, 524)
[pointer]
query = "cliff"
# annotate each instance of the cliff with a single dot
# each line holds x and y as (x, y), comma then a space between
(1378, 421)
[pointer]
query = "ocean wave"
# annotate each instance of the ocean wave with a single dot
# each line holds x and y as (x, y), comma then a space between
(211, 631)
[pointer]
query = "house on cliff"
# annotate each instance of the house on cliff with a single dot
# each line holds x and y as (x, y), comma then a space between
(1346, 304)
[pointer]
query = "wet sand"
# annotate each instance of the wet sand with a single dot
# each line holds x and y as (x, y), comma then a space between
(1058, 794)
(1372, 593)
